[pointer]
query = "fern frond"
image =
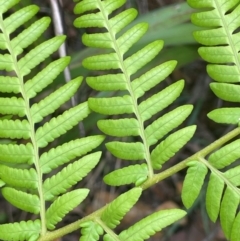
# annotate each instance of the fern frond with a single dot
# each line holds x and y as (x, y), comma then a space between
(221, 49)
(117, 209)
(25, 201)
(12, 106)
(29, 230)
(119, 41)
(69, 176)
(148, 226)
(63, 204)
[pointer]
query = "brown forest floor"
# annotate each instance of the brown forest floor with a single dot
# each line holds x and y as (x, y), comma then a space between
(167, 194)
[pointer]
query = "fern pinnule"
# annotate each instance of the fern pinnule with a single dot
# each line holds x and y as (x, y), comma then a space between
(119, 42)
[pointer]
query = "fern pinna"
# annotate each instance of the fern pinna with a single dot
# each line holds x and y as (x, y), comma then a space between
(221, 39)
(111, 36)
(23, 161)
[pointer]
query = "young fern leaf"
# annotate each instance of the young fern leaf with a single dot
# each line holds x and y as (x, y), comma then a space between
(21, 167)
(148, 226)
(118, 44)
(117, 209)
(221, 50)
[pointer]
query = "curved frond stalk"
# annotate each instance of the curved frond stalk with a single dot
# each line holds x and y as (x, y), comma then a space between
(220, 20)
(118, 42)
(21, 167)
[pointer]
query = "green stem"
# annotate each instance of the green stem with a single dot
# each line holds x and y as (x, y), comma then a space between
(155, 179)
(183, 164)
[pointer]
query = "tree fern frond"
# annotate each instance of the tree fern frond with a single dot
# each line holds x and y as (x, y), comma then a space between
(117, 209)
(20, 178)
(25, 201)
(63, 205)
(14, 129)
(148, 226)
(90, 231)
(68, 151)
(12, 106)
(13, 153)
(45, 77)
(168, 147)
(22, 231)
(54, 100)
(29, 35)
(127, 175)
(61, 124)
(69, 176)
(193, 182)
(19, 17)
(39, 53)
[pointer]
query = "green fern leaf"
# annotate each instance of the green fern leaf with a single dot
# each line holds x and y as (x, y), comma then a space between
(68, 151)
(38, 54)
(13, 153)
(22, 231)
(127, 151)
(112, 106)
(127, 175)
(107, 82)
(6, 5)
(120, 128)
(193, 182)
(229, 206)
(19, 177)
(69, 176)
(9, 84)
(29, 35)
(25, 201)
(90, 231)
(235, 229)
(19, 17)
(233, 175)
(225, 115)
(166, 123)
(228, 92)
(226, 155)
(14, 129)
(61, 124)
(118, 208)
(45, 77)
(6, 62)
(214, 195)
(148, 226)
(173, 143)
(63, 204)
(142, 57)
(54, 100)
(159, 101)
(12, 106)
(152, 78)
